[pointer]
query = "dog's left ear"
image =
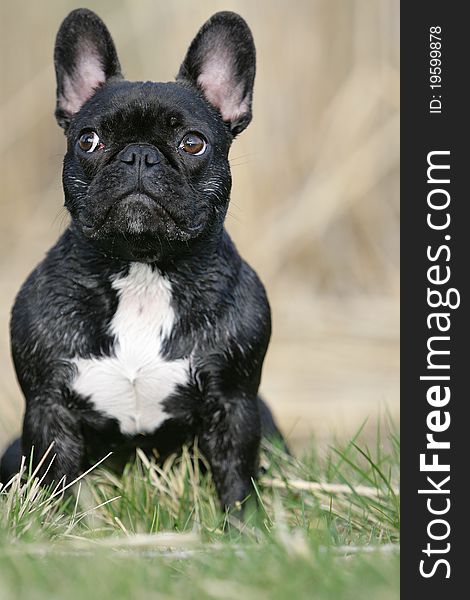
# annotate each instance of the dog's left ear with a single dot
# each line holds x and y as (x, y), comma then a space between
(84, 59)
(221, 62)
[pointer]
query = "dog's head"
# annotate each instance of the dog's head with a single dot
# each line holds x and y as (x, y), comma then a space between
(146, 173)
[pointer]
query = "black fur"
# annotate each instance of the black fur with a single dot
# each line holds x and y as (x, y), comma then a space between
(141, 198)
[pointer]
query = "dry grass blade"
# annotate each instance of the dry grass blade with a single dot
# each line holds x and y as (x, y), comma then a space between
(326, 488)
(62, 488)
(166, 540)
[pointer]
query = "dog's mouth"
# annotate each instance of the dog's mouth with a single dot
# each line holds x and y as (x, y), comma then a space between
(135, 213)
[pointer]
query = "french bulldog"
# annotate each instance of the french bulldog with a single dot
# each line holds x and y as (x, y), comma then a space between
(143, 326)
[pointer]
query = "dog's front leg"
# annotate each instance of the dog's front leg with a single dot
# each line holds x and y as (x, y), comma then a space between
(229, 439)
(49, 422)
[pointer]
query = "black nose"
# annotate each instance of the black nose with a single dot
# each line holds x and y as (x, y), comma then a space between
(140, 155)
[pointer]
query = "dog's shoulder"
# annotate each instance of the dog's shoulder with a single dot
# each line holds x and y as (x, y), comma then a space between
(67, 301)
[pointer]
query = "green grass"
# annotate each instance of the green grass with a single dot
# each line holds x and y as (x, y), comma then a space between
(157, 532)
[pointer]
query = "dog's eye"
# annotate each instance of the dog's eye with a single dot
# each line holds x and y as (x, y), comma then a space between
(89, 141)
(194, 144)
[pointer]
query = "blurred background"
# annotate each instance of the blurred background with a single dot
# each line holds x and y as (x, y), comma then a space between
(315, 202)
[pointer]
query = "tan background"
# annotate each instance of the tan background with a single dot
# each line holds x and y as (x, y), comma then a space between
(315, 199)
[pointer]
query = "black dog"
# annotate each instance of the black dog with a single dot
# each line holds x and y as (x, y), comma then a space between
(143, 326)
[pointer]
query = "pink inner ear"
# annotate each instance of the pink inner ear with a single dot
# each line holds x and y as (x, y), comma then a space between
(87, 75)
(218, 84)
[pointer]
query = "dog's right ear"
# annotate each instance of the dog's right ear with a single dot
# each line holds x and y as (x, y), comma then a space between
(221, 63)
(84, 59)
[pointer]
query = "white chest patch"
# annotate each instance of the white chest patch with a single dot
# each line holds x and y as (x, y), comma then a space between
(131, 385)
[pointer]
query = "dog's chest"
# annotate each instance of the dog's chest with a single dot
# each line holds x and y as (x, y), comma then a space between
(132, 383)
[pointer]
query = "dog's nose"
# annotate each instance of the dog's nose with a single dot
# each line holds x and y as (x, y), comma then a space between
(140, 155)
